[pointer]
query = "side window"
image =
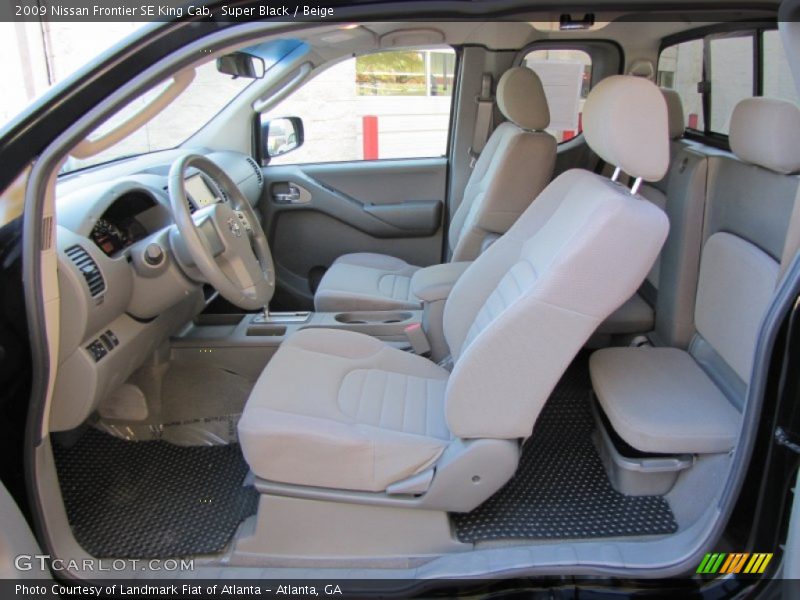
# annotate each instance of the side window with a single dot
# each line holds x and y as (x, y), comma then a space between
(777, 78)
(566, 76)
(723, 70)
(384, 105)
(731, 78)
(680, 68)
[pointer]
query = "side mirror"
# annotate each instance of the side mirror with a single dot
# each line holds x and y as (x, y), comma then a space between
(281, 135)
(241, 64)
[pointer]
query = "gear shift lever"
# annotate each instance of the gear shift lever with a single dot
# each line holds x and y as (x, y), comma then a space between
(262, 316)
(265, 316)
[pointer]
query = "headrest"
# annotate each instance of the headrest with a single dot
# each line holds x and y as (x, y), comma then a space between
(675, 119)
(765, 132)
(625, 123)
(521, 99)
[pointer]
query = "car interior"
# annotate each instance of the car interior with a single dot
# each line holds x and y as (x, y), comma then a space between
(289, 346)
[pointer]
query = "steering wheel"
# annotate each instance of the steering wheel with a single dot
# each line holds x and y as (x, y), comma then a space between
(224, 241)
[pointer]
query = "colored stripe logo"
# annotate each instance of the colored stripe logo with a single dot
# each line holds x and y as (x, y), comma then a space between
(735, 562)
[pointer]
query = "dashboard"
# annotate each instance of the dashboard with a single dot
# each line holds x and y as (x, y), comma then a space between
(124, 289)
(119, 227)
(120, 204)
(124, 222)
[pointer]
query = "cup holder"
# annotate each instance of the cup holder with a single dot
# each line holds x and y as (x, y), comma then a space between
(372, 318)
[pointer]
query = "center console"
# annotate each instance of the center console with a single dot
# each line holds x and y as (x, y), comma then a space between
(244, 343)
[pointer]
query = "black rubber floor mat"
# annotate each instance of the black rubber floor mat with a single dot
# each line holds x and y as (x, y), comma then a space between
(152, 499)
(561, 489)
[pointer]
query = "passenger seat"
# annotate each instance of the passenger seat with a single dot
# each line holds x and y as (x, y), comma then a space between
(665, 399)
(515, 165)
(681, 194)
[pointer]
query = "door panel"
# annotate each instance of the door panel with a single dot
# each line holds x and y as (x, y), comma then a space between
(16, 539)
(415, 217)
(315, 213)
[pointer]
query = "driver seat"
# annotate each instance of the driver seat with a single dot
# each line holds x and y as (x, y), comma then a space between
(342, 410)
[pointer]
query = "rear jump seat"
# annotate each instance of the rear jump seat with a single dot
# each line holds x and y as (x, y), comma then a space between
(674, 401)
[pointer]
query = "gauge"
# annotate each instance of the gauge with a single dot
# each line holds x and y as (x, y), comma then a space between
(108, 237)
(118, 227)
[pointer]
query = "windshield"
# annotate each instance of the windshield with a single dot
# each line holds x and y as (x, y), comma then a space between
(205, 96)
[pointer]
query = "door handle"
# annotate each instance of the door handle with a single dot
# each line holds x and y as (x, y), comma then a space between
(290, 197)
(289, 193)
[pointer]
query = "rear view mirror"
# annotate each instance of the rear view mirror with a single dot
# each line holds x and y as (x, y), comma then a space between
(281, 135)
(241, 64)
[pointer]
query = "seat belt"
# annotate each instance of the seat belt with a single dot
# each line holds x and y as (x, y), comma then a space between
(792, 243)
(600, 166)
(483, 119)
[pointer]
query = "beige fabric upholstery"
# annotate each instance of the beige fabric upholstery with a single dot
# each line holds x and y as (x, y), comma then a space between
(667, 400)
(657, 192)
(520, 313)
(736, 283)
(339, 409)
(623, 125)
(675, 117)
(521, 99)
(513, 168)
(764, 132)
(659, 198)
(660, 400)
(366, 281)
(344, 410)
(434, 283)
(678, 264)
(635, 316)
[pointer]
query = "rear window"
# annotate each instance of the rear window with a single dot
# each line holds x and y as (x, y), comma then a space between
(566, 75)
(680, 68)
(778, 81)
(713, 74)
(731, 76)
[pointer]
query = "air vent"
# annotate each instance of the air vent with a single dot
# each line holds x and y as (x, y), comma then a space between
(257, 169)
(88, 268)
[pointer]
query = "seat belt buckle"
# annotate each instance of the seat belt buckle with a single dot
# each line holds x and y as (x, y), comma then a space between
(417, 338)
(446, 363)
(473, 158)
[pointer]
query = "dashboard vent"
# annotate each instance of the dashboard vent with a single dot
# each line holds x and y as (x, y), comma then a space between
(257, 169)
(88, 268)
